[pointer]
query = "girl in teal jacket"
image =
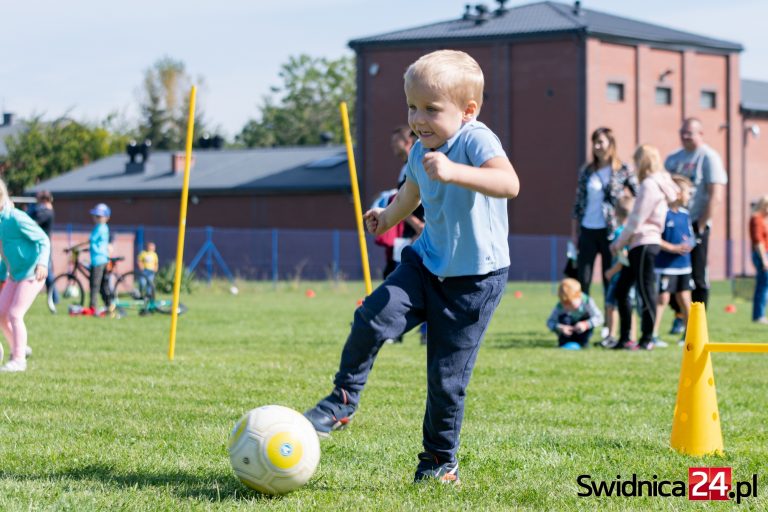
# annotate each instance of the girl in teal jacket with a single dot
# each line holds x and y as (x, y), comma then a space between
(25, 250)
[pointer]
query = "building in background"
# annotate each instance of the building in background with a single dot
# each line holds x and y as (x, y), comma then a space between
(302, 187)
(554, 72)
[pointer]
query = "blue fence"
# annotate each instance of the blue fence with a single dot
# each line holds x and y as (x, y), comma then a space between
(284, 254)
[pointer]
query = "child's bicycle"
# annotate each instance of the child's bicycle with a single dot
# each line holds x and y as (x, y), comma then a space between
(134, 291)
(69, 285)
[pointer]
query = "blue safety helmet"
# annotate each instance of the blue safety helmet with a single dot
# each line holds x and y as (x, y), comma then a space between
(101, 210)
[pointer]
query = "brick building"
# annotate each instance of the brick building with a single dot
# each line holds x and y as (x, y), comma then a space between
(554, 72)
(306, 188)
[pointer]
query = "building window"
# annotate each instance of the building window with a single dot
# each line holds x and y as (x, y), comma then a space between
(615, 92)
(708, 100)
(663, 96)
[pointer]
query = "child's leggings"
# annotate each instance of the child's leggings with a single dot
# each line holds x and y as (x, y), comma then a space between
(15, 299)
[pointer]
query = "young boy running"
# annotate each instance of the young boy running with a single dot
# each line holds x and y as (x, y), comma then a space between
(454, 275)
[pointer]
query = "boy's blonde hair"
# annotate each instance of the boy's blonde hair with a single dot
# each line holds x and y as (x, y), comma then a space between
(648, 161)
(569, 290)
(681, 181)
(451, 72)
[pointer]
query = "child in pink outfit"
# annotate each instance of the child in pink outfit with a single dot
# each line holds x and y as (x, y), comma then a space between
(25, 250)
(643, 235)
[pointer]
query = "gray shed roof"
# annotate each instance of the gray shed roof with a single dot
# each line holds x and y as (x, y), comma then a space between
(754, 96)
(243, 171)
(544, 19)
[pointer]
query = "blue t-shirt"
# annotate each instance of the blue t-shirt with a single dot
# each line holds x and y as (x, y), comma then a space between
(677, 230)
(99, 245)
(465, 231)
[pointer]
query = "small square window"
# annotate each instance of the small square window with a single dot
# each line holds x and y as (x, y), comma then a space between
(663, 96)
(708, 100)
(615, 92)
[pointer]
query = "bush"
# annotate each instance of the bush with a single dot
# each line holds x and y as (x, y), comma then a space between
(166, 274)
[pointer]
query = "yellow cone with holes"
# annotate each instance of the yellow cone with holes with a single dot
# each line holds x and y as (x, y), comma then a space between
(696, 422)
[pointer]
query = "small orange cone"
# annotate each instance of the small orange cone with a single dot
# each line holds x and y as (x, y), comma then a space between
(730, 308)
(696, 421)
(518, 294)
(359, 302)
(310, 293)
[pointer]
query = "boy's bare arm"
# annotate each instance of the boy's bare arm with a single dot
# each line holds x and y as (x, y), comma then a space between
(378, 221)
(498, 178)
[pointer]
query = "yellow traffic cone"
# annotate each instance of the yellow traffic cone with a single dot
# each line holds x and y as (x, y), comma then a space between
(696, 422)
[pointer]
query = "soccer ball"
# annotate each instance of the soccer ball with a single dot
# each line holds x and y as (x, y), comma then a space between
(274, 449)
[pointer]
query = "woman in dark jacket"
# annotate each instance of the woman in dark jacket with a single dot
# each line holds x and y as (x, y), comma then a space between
(600, 185)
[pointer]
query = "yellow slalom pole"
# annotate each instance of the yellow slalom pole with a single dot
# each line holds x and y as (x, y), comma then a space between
(356, 197)
(182, 224)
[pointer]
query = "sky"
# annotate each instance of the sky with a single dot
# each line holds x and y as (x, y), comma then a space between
(86, 58)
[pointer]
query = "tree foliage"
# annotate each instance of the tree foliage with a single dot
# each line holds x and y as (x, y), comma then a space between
(45, 150)
(308, 104)
(164, 104)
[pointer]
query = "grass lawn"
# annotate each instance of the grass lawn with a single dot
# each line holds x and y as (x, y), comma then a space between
(103, 421)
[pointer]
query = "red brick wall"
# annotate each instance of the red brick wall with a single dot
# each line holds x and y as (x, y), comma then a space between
(321, 211)
(612, 63)
(638, 119)
(532, 104)
(756, 170)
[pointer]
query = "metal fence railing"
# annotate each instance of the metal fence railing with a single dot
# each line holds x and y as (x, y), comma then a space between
(284, 254)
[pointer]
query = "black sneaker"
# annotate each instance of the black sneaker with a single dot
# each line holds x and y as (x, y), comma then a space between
(331, 413)
(429, 468)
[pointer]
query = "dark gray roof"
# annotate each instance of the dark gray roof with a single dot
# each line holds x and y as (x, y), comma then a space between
(243, 171)
(545, 19)
(754, 96)
(9, 131)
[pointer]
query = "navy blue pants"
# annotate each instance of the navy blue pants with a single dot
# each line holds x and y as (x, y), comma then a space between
(457, 310)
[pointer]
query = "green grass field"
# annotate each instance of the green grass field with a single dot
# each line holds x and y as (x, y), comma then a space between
(103, 421)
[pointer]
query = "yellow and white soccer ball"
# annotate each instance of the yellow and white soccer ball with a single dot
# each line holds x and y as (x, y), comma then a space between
(274, 449)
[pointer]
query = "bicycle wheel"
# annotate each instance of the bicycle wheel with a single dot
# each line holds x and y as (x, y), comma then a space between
(69, 292)
(131, 285)
(165, 306)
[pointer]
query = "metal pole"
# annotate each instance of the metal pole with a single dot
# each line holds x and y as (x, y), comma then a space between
(274, 258)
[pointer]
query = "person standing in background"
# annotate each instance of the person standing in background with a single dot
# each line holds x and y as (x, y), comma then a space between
(601, 183)
(758, 235)
(703, 166)
(44, 216)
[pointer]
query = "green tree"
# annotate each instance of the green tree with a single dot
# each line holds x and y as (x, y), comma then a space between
(45, 150)
(308, 104)
(164, 104)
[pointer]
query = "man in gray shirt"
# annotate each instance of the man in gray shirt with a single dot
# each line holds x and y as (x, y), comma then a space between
(704, 167)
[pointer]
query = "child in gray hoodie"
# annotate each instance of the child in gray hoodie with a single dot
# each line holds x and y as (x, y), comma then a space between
(643, 235)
